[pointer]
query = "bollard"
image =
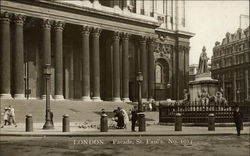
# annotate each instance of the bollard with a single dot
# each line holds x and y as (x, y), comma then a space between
(211, 123)
(142, 122)
(65, 121)
(178, 122)
(104, 123)
(29, 123)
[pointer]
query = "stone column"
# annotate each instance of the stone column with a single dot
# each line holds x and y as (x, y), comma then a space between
(46, 49)
(246, 83)
(116, 68)
(125, 68)
(223, 84)
(5, 56)
(234, 86)
(116, 3)
(125, 5)
(85, 64)
(151, 67)
(95, 64)
(18, 57)
(58, 47)
(144, 67)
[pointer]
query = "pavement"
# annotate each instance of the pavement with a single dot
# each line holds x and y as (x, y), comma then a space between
(87, 115)
(93, 130)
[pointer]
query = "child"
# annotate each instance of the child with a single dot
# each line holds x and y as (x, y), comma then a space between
(6, 116)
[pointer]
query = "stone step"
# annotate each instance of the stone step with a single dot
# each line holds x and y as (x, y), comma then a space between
(77, 110)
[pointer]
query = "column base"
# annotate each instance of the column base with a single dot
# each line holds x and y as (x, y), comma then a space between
(116, 99)
(86, 98)
(96, 4)
(125, 9)
(144, 99)
(43, 97)
(151, 99)
(96, 99)
(59, 97)
(19, 96)
(126, 100)
(5, 96)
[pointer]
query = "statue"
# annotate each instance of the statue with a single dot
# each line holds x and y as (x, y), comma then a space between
(203, 67)
(204, 97)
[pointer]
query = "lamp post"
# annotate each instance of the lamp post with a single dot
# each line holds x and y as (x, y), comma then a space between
(141, 120)
(47, 73)
(238, 94)
(139, 79)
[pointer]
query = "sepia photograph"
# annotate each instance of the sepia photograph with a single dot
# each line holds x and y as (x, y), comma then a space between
(124, 78)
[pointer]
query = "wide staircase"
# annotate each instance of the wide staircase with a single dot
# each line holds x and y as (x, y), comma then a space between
(78, 111)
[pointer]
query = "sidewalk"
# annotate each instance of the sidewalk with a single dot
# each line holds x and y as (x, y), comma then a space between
(151, 130)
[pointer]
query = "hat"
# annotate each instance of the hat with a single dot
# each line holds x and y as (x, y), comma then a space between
(5, 108)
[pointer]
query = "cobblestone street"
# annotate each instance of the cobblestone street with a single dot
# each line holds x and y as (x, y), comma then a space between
(127, 146)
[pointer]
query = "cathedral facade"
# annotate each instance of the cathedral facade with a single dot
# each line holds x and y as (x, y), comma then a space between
(95, 49)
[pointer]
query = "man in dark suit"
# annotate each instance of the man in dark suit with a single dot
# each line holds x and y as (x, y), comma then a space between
(134, 118)
(238, 117)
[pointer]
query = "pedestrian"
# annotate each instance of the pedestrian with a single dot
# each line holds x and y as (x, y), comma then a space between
(6, 117)
(103, 111)
(238, 116)
(125, 116)
(119, 119)
(12, 118)
(150, 106)
(134, 118)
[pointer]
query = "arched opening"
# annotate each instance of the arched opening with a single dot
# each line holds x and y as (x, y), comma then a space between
(162, 80)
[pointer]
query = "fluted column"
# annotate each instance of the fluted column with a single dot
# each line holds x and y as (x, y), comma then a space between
(5, 55)
(151, 66)
(18, 57)
(116, 3)
(125, 5)
(46, 49)
(125, 68)
(58, 48)
(95, 64)
(116, 68)
(85, 64)
(144, 67)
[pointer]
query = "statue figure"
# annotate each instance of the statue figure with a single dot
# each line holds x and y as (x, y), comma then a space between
(204, 97)
(219, 99)
(203, 67)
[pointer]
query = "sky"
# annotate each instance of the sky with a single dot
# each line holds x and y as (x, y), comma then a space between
(210, 21)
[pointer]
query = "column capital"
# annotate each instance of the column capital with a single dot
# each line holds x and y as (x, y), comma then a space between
(18, 19)
(5, 17)
(86, 29)
(59, 25)
(125, 35)
(116, 35)
(46, 23)
(96, 30)
(151, 39)
(143, 39)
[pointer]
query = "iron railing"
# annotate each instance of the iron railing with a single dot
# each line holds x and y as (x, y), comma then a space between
(194, 112)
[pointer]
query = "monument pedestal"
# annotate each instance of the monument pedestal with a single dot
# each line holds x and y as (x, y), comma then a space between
(202, 81)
